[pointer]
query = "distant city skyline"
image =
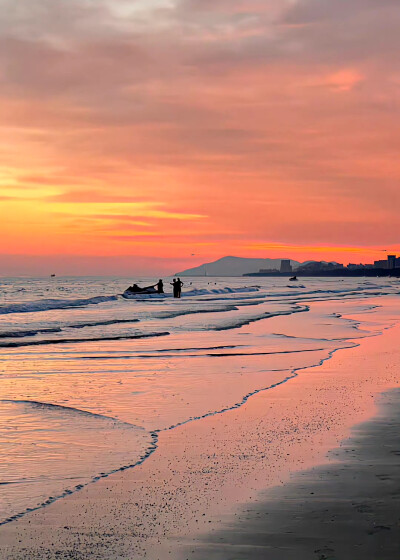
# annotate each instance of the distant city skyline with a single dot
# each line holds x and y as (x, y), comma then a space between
(388, 267)
(12, 265)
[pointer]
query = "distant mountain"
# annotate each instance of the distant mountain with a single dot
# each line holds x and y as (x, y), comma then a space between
(233, 266)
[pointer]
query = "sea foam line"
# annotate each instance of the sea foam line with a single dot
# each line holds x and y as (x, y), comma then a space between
(268, 315)
(206, 355)
(49, 304)
(58, 329)
(69, 409)
(76, 340)
(191, 293)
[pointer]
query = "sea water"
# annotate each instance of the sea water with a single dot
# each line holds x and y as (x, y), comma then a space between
(89, 378)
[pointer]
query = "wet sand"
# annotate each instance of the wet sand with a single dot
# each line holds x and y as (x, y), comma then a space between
(203, 472)
(347, 511)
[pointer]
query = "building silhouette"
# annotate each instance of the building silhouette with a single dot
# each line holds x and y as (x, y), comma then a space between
(391, 262)
(388, 267)
(319, 266)
(286, 266)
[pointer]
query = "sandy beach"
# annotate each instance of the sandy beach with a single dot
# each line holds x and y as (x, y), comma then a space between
(208, 475)
(346, 510)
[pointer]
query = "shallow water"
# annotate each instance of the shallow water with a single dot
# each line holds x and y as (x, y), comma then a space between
(89, 378)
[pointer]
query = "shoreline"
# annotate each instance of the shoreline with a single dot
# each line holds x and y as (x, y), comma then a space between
(347, 510)
(203, 471)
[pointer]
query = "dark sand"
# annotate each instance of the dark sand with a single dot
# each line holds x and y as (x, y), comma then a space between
(347, 511)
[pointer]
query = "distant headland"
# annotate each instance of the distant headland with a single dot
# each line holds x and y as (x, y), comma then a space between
(242, 266)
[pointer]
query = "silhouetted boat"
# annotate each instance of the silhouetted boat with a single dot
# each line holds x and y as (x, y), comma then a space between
(136, 291)
(293, 279)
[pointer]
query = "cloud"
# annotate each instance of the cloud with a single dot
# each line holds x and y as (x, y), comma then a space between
(95, 196)
(306, 11)
(260, 119)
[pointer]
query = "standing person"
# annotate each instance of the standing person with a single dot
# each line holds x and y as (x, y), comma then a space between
(175, 287)
(180, 284)
(160, 286)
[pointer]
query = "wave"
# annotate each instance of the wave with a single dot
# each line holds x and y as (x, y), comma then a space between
(181, 312)
(223, 354)
(344, 291)
(194, 293)
(226, 290)
(35, 332)
(161, 315)
(158, 352)
(49, 304)
(101, 323)
(195, 349)
(17, 344)
(317, 295)
(268, 315)
(23, 334)
(68, 410)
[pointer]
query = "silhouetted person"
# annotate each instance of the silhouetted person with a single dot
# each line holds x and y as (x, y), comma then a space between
(175, 287)
(160, 287)
(180, 284)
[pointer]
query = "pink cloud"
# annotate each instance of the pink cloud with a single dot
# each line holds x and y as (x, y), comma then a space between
(274, 120)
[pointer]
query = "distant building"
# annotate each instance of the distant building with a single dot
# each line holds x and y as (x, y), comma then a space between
(390, 263)
(319, 266)
(268, 270)
(391, 259)
(286, 266)
(352, 266)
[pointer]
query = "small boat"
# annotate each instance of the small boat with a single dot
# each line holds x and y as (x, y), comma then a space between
(293, 279)
(136, 291)
(52, 276)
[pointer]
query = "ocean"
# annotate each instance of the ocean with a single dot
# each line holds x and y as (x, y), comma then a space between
(89, 379)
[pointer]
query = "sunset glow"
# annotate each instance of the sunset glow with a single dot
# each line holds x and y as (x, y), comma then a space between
(153, 136)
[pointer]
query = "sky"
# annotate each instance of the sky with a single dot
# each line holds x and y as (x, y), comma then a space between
(148, 136)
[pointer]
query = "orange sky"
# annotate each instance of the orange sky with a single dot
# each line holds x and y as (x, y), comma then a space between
(173, 132)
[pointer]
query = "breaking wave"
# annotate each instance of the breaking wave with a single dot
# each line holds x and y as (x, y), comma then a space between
(48, 304)
(241, 322)
(34, 332)
(18, 344)
(68, 410)
(193, 293)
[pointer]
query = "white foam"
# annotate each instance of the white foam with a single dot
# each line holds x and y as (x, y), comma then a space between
(48, 304)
